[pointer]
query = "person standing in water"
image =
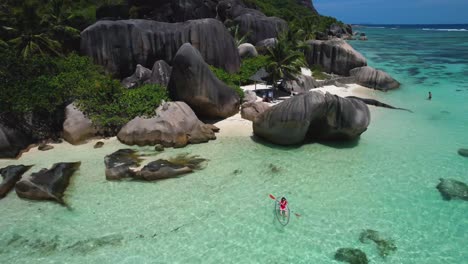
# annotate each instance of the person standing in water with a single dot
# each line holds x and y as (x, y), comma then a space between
(430, 96)
(283, 207)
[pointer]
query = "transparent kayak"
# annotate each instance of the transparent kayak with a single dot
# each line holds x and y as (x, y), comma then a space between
(283, 220)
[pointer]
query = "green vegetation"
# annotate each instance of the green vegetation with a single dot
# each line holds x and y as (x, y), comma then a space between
(318, 72)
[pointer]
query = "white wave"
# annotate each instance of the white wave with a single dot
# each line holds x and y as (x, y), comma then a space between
(446, 29)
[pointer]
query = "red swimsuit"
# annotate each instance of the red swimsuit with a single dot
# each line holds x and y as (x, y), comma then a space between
(283, 205)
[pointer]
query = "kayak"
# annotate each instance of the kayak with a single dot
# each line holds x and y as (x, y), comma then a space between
(283, 220)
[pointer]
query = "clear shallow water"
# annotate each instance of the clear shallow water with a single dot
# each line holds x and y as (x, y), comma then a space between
(223, 214)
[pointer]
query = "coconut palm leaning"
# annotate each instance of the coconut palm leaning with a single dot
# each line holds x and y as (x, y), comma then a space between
(285, 60)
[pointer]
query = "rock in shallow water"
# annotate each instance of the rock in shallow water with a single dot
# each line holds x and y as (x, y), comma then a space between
(11, 174)
(351, 255)
(463, 152)
(375, 79)
(312, 116)
(193, 82)
(384, 246)
(161, 169)
(48, 184)
(119, 163)
(453, 189)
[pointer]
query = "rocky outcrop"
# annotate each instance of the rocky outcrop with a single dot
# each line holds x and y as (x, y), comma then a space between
(194, 83)
(174, 125)
(48, 184)
(351, 255)
(312, 116)
(120, 45)
(249, 97)
(302, 84)
(334, 56)
(140, 75)
(247, 50)
(375, 79)
(12, 141)
(77, 128)
(309, 4)
(160, 73)
(251, 110)
(10, 175)
(453, 189)
(161, 169)
(119, 164)
(251, 23)
(340, 31)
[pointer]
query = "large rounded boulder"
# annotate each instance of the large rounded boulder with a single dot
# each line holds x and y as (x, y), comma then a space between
(312, 116)
(302, 83)
(251, 110)
(77, 128)
(334, 56)
(375, 79)
(174, 125)
(247, 50)
(120, 45)
(453, 189)
(193, 82)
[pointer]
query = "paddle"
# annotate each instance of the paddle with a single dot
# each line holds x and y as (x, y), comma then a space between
(274, 198)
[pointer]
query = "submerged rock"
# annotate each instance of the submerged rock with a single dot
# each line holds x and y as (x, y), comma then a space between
(119, 163)
(120, 45)
(77, 128)
(351, 255)
(140, 76)
(384, 246)
(11, 174)
(174, 125)
(161, 169)
(334, 56)
(312, 116)
(48, 184)
(98, 144)
(463, 152)
(247, 50)
(193, 82)
(453, 189)
(12, 141)
(372, 78)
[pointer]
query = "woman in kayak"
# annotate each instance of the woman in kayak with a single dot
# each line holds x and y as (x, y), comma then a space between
(283, 207)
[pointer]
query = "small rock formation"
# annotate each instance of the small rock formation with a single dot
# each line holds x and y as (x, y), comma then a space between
(351, 255)
(161, 169)
(384, 246)
(263, 45)
(334, 56)
(339, 31)
(98, 144)
(453, 189)
(160, 74)
(463, 152)
(362, 36)
(120, 45)
(174, 125)
(251, 110)
(48, 184)
(375, 79)
(302, 84)
(12, 141)
(249, 97)
(118, 164)
(252, 23)
(77, 128)
(247, 50)
(11, 174)
(159, 147)
(45, 147)
(140, 75)
(193, 82)
(312, 116)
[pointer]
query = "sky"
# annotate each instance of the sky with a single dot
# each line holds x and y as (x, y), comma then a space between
(395, 11)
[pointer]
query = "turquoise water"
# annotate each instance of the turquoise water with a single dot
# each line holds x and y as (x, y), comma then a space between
(223, 214)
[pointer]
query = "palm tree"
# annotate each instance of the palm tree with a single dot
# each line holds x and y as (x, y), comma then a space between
(285, 60)
(238, 39)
